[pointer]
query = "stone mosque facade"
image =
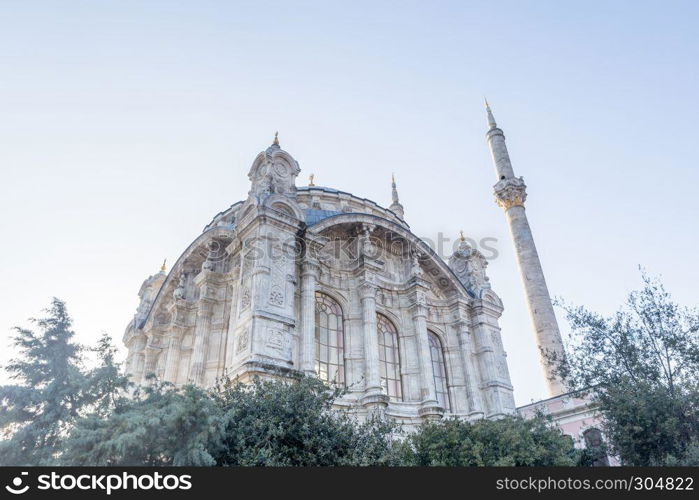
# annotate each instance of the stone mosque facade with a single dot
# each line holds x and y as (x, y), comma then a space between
(314, 280)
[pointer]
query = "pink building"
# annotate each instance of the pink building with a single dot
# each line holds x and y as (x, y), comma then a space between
(575, 417)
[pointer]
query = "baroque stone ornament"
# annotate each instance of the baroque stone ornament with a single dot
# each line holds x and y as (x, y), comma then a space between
(469, 265)
(273, 172)
(180, 290)
(510, 192)
(416, 269)
(276, 296)
(245, 299)
(243, 340)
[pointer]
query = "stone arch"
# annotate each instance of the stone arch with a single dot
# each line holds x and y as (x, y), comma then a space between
(445, 277)
(492, 298)
(330, 339)
(443, 376)
(390, 356)
(592, 437)
(285, 205)
(392, 317)
(337, 296)
(165, 292)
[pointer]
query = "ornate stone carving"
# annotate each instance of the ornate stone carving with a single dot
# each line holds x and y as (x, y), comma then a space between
(180, 291)
(416, 269)
(276, 296)
(208, 265)
(469, 265)
(277, 341)
(367, 290)
(368, 249)
(273, 172)
(245, 299)
(243, 341)
(279, 276)
(510, 192)
(381, 298)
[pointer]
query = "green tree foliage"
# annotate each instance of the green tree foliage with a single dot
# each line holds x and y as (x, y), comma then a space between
(158, 425)
(265, 423)
(106, 385)
(640, 367)
(53, 389)
(62, 413)
(292, 424)
(36, 412)
(510, 441)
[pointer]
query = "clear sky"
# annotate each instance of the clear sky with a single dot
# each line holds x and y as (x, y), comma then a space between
(126, 125)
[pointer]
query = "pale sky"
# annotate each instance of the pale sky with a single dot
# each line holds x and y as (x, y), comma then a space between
(126, 125)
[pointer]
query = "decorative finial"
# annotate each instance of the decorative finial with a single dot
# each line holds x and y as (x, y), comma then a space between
(461, 235)
(395, 207)
(163, 268)
(276, 139)
(394, 190)
(486, 102)
(310, 180)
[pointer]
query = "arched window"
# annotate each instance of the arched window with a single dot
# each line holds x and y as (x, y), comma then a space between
(595, 443)
(330, 356)
(439, 371)
(389, 358)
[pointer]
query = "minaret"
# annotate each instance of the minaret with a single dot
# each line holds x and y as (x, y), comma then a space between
(510, 194)
(395, 207)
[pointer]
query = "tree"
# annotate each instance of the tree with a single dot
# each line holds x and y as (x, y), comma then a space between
(36, 412)
(510, 441)
(54, 389)
(272, 423)
(292, 423)
(640, 367)
(106, 385)
(158, 425)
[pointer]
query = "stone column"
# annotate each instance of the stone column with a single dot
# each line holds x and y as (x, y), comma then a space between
(473, 391)
(510, 195)
(172, 362)
(310, 270)
(201, 333)
(373, 391)
(486, 358)
(178, 311)
(430, 406)
(135, 355)
(151, 359)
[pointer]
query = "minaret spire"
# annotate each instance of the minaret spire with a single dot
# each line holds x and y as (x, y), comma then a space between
(510, 194)
(491, 118)
(395, 207)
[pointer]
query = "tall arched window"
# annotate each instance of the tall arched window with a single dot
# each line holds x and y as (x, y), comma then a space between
(389, 358)
(439, 371)
(330, 355)
(594, 442)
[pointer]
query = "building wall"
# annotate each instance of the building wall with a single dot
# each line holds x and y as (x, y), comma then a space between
(574, 415)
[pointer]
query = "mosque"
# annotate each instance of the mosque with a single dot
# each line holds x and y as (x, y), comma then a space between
(315, 280)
